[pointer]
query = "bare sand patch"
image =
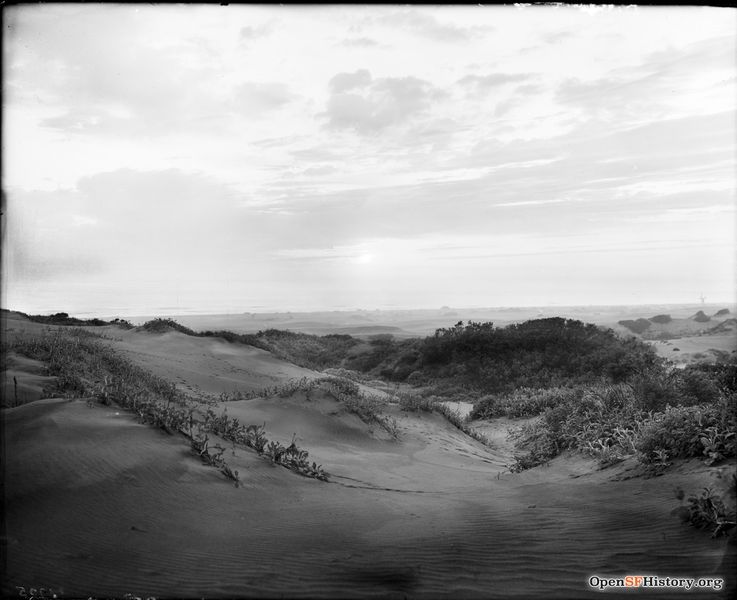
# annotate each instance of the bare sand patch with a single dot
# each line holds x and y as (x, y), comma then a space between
(211, 365)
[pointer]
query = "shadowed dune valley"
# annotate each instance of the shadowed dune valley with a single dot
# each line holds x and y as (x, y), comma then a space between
(154, 460)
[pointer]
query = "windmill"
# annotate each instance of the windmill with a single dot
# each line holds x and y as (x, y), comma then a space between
(701, 296)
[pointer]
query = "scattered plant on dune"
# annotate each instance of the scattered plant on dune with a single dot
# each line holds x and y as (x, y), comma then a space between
(295, 385)
(284, 390)
(230, 474)
(709, 510)
(349, 374)
(411, 402)
(254, 436)
(368, 407)
(200, 445)
(461, 422)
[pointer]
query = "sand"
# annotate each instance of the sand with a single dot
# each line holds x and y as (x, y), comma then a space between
(99, 504)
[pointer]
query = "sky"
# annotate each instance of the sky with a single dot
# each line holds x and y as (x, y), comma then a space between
(224, 159)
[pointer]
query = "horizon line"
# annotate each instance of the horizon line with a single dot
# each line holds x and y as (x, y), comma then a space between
(281, 311)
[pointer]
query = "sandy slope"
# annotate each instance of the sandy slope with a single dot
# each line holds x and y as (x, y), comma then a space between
(98, 504)
(208, 364)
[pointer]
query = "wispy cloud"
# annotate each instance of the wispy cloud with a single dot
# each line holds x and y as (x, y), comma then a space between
(360, 42)
(431, 26)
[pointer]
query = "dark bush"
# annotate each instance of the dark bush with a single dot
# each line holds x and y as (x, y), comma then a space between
(637, 326)
(164, 325)
(662, 319)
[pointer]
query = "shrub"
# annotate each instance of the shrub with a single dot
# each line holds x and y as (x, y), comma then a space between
(655, 389)
(522, 402)
(706, 431)
(164, 325)
(536, 444)
(697, 387)
(416, 378)
(122, 323)
(637, 326)
(662, 319)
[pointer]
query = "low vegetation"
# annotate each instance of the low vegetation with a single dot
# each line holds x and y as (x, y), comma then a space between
(84, 366)
(656, 416)
(635, 326)
(661, 319)
(462, 423)
(477, 357)
(368, 407)
(709, 509)
(62, 318)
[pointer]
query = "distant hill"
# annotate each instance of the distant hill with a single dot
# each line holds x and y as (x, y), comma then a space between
(661, 319)
(637, 326)
(728, 326)
(701, 317)
(62, 318)
(722, 313)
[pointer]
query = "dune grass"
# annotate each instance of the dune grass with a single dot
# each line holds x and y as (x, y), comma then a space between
(368, 407)
(86, 367)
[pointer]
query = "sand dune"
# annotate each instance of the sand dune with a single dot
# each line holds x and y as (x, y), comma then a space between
(99, 504)
(208, 364)
(23, 380)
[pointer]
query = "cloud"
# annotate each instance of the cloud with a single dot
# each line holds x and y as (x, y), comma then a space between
(427, 25)
(486, 82)
(348, 81)
(85, 120)
(261, 97)
(250, 32)
(360, 42)
(376, 104)
(324, 170)
(113, 70)
(662, 84)
(557, 37)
